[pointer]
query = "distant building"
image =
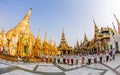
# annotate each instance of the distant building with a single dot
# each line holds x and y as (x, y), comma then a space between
(101, 37)
(100, 41)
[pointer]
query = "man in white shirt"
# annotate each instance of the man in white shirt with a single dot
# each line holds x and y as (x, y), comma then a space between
(89, 58)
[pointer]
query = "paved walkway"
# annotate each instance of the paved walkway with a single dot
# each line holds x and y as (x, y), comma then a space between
(114, 70)
(12, 67)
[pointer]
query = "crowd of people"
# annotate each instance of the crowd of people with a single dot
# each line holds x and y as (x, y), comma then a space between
(84, 59)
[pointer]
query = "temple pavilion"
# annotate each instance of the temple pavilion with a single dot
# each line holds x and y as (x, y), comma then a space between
(63, 48)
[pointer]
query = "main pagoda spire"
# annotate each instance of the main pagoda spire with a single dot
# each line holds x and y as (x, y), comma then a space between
(27, 16)
(22, 27)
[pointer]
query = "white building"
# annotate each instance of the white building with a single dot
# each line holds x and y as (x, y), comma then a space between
(115, 38)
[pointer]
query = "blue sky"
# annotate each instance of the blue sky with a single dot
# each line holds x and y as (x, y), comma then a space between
(75, 16)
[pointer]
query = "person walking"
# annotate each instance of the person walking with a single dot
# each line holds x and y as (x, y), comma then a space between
(101, 56)
(83, 60)
(89, 58)
(95, 57)
(107, 56)
(46, 58)
(55, 59)
(72, 57)
(113, 53)
(58, 58)
(64, 58)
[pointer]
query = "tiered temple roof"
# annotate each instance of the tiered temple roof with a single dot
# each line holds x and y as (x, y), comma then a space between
(63, 45)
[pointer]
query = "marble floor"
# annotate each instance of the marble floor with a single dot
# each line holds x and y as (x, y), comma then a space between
(105, 68)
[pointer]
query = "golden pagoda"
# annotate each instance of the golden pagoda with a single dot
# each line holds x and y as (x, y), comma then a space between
(50, 49)
(37, 47)
(22, 27)
(63, 48)
(84, 45)
(45, 45)
(77, 48)
(55, 50)
(21, 37)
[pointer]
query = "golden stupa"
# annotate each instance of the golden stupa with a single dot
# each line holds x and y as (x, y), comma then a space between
(22, 37)
(19, 42)
(22, 27)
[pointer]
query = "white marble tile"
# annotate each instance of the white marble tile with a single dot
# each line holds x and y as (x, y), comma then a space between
(97, 65)
(84, 71)
(69, 66)
(48, 69)
(27, 66)
(118, 69)
(19, 72)
(44, 64)
(109, 73)
(3, 65)
(113, 63)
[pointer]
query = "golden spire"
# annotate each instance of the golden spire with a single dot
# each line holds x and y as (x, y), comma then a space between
(45, 41)
(117, 23)
(50, 41)
(45, 44)
(22, 27)
(55, 48)
(95, 26)
(45, 36)
(63, 40)
(27, 16)
(38, 37)
(50, 47)
(77, 44)
(85, 38)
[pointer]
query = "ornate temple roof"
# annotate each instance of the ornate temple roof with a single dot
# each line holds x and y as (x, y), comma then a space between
(95, 26)
(63, 45)
(77, 46)
(85, 39)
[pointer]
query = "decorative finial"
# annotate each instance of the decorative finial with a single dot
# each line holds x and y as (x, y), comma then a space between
(62, 29)
(30, 8)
